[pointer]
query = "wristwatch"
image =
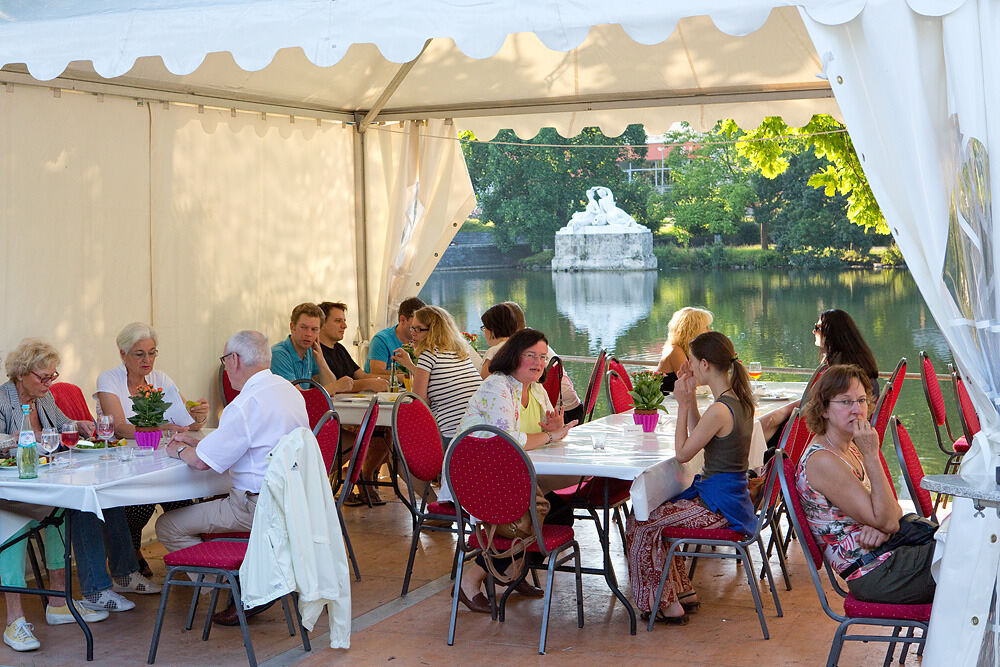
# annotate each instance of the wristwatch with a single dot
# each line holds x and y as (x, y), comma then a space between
(181, 449)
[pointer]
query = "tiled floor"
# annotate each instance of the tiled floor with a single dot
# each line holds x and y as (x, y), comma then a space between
(724, 632)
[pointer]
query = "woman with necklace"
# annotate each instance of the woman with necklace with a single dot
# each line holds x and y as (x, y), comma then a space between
(719, 497)
(847, 499)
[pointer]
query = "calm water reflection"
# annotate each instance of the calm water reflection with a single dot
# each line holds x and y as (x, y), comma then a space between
(769, 316)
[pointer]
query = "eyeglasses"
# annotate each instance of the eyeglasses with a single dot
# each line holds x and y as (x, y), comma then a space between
(535, 357)
(421, 329)
(848, 402)
(142, 354)
(222, 359)
(46, 379)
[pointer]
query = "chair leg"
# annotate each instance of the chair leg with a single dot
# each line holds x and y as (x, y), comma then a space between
(195, 594)
(579, 585)
(414, 542)
(35, 570)
(350, 552)
(454, 602)
(838, 643)
(548, 603)
(235, 587)
(288, 615)
(892, 647)
(621, 524)
(154, 643)
(306, 645)
(694, 561)
(770, 576)
(754, 588)
(663, 583)
(906, 647)
(454, 565)
(510, 589)
(212, 604)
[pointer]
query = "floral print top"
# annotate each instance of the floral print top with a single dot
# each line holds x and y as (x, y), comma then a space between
(497, 402)
(835, 532)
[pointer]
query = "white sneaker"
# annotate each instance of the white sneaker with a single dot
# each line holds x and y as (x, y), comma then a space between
(62, 615)
(19, 637)
(108, 601)
(135, 583)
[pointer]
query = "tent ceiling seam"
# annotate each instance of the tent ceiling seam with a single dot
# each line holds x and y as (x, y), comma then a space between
(394, 84)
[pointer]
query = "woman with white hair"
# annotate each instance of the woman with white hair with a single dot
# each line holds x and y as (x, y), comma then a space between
(137, 347)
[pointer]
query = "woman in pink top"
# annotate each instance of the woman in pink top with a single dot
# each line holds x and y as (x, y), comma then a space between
(848, 501)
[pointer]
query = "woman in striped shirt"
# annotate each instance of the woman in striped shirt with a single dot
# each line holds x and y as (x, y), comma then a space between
(444, 374)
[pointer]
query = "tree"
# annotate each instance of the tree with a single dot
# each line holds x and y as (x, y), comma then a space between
(531, 188)
(769, 149)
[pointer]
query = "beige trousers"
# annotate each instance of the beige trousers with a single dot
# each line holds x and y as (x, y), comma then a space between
(181, 528)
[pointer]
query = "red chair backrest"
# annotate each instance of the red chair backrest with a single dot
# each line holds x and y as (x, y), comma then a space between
(792, 499)
(69, 398)
(617, 367)
(593, 387)
(970, 420)
(318, 401)
(812, 380)
(887, 400)
(553, 380)
(361, 443)
(618, 395)
(795, 437)
(327, 432)
(417, 438)
(490, 478)
(226, 387)
(932, 390)
(913, 471)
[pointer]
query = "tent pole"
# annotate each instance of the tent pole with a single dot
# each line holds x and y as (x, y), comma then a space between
(365, 315)
(393, 86)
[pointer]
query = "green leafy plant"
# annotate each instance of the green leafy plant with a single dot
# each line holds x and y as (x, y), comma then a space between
(646, 394)
(149, 406)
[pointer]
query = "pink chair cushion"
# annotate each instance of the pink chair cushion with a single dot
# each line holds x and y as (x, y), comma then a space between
(419, 440)
(442, 509)
(70, 399)
(224, 536)
(316, 405)
(490, 479)
(916, 472)
(618, 394)
(591, 492)
(329, 441)
(968, 410)
(855, 608)
(553, 381)
(223, 555)
(934, 391)
(681, 533)
(800, 514)
(593, 388)
(961, 445)
(554, 536)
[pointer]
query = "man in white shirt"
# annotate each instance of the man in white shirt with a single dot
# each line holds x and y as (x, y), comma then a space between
(267, 408)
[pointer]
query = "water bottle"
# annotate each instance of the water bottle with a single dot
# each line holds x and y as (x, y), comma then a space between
(393, 378)
(27, 452)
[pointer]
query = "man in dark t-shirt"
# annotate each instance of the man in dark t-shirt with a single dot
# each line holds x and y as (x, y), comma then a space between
(350, 376)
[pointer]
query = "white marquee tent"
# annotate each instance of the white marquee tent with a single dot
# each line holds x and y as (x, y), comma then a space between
(206, 164)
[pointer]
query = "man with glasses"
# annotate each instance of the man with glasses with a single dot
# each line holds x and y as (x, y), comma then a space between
(390, 339)
(267, 408)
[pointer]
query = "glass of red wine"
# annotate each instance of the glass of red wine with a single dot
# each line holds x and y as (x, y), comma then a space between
(70, 435)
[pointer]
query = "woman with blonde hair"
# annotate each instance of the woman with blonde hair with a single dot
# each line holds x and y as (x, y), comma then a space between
(444, 375)
(684, 326)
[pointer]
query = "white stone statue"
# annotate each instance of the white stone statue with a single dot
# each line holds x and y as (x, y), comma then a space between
(600, 212)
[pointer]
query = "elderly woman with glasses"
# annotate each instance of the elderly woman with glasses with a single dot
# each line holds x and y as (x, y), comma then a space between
(137, 348)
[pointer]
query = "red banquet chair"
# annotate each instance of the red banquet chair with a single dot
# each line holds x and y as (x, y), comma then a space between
(935, 402)
(883, 409)
(70, 399)
(856, 612)
(226, 389)
(594, 387)
(618, 367)
(417, 441)
(617, 389)
(966, 411)
(794, 439)
(678, 539)
(361, 443)
(913, 472)
(493, 480)
(325, 423)
(553, 380)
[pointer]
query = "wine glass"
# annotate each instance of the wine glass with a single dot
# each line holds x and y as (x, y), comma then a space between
(755, 370)
(106, 431)
(50, 441)
(70, 436)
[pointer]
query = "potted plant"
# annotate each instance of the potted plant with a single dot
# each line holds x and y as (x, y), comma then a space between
(149, 408)
(647, 399)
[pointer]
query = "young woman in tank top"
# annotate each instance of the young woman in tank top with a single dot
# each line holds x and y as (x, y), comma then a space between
(718, 498)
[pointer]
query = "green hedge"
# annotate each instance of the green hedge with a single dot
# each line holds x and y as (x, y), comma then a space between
(753, 257)
(539, 258)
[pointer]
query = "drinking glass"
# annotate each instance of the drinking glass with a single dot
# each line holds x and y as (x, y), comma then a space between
(50, 442)
(70, 436)
(755, 370)
(106, 431)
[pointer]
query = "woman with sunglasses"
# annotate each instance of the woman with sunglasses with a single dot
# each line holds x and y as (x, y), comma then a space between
(848, 501)
(31, 370)
(840, 341)
(444, 375)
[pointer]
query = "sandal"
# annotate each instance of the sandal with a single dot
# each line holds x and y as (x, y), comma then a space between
(354, 500)
(683, 619)
(373, 497)
(691, 607)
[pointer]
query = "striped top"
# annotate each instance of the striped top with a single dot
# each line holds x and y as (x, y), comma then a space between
(452, 383)
(10, 410)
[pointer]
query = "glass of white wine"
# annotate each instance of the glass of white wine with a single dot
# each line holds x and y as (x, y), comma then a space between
(755, 370)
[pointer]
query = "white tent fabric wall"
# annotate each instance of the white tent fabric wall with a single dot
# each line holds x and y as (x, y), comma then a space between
(921, 97)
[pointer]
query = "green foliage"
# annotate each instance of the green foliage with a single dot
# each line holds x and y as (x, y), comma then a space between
(533, 190)
(716, 257)
(543, 257)
(854, 257)
(149, 406)
(646, 393)
(816, 258)
(673, 233)
(838, 172)
(891, 256)
(474, 225)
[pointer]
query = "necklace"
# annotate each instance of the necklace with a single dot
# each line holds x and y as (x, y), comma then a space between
(860, 473)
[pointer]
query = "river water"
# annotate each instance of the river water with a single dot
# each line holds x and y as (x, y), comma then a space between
(769, 315)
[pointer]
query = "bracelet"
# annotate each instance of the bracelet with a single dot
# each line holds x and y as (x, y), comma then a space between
(550, 438)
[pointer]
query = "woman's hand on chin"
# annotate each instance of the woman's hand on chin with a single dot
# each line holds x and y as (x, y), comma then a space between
(865, 437)
(684, 389)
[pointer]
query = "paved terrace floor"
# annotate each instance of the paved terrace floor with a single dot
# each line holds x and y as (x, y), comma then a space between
(412, 631)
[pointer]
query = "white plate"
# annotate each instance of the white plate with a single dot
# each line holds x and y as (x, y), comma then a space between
(776, 396)
(4, 469)
(389, 396)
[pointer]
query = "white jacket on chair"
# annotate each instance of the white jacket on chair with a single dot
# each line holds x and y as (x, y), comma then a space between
(295, 542)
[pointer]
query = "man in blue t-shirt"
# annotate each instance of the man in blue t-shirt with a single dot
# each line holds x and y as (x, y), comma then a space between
(299, 355)
(387, 341)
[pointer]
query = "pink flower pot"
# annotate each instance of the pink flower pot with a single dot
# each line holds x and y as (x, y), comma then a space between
(148, 439)
(646, 421)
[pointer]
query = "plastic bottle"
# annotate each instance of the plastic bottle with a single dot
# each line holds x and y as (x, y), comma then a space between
(27, 452)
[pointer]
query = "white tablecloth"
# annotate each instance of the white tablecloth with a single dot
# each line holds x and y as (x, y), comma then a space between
(93, 484)
(645, 458)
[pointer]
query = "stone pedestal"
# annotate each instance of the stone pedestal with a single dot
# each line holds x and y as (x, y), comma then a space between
(604, 248)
